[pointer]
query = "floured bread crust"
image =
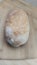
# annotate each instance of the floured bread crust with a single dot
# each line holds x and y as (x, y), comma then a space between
(17, 28)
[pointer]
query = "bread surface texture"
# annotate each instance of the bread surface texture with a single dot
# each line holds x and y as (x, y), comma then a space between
(17, 28)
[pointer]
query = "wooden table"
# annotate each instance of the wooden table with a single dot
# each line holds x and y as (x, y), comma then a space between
(28, 51)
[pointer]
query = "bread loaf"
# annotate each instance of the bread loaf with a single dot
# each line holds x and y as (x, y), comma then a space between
(17, 28)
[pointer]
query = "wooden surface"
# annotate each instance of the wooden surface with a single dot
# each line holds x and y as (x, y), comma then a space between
(18, 62)
(30, 49)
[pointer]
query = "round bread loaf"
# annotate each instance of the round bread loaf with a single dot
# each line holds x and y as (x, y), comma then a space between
(17, 28)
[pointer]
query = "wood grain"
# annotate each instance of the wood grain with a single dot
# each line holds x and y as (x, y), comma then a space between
(30, 49)
(19, 62)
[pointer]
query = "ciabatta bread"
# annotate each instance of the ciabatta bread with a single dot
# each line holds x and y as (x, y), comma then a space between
(17, 28)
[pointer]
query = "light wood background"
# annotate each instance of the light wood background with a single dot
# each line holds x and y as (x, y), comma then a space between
(18, 62)
(27, 51)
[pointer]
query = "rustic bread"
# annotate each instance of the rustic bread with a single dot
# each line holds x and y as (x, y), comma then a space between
(17, 28)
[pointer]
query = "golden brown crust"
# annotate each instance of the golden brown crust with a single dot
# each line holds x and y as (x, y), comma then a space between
(18, 21)
(17, 28)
